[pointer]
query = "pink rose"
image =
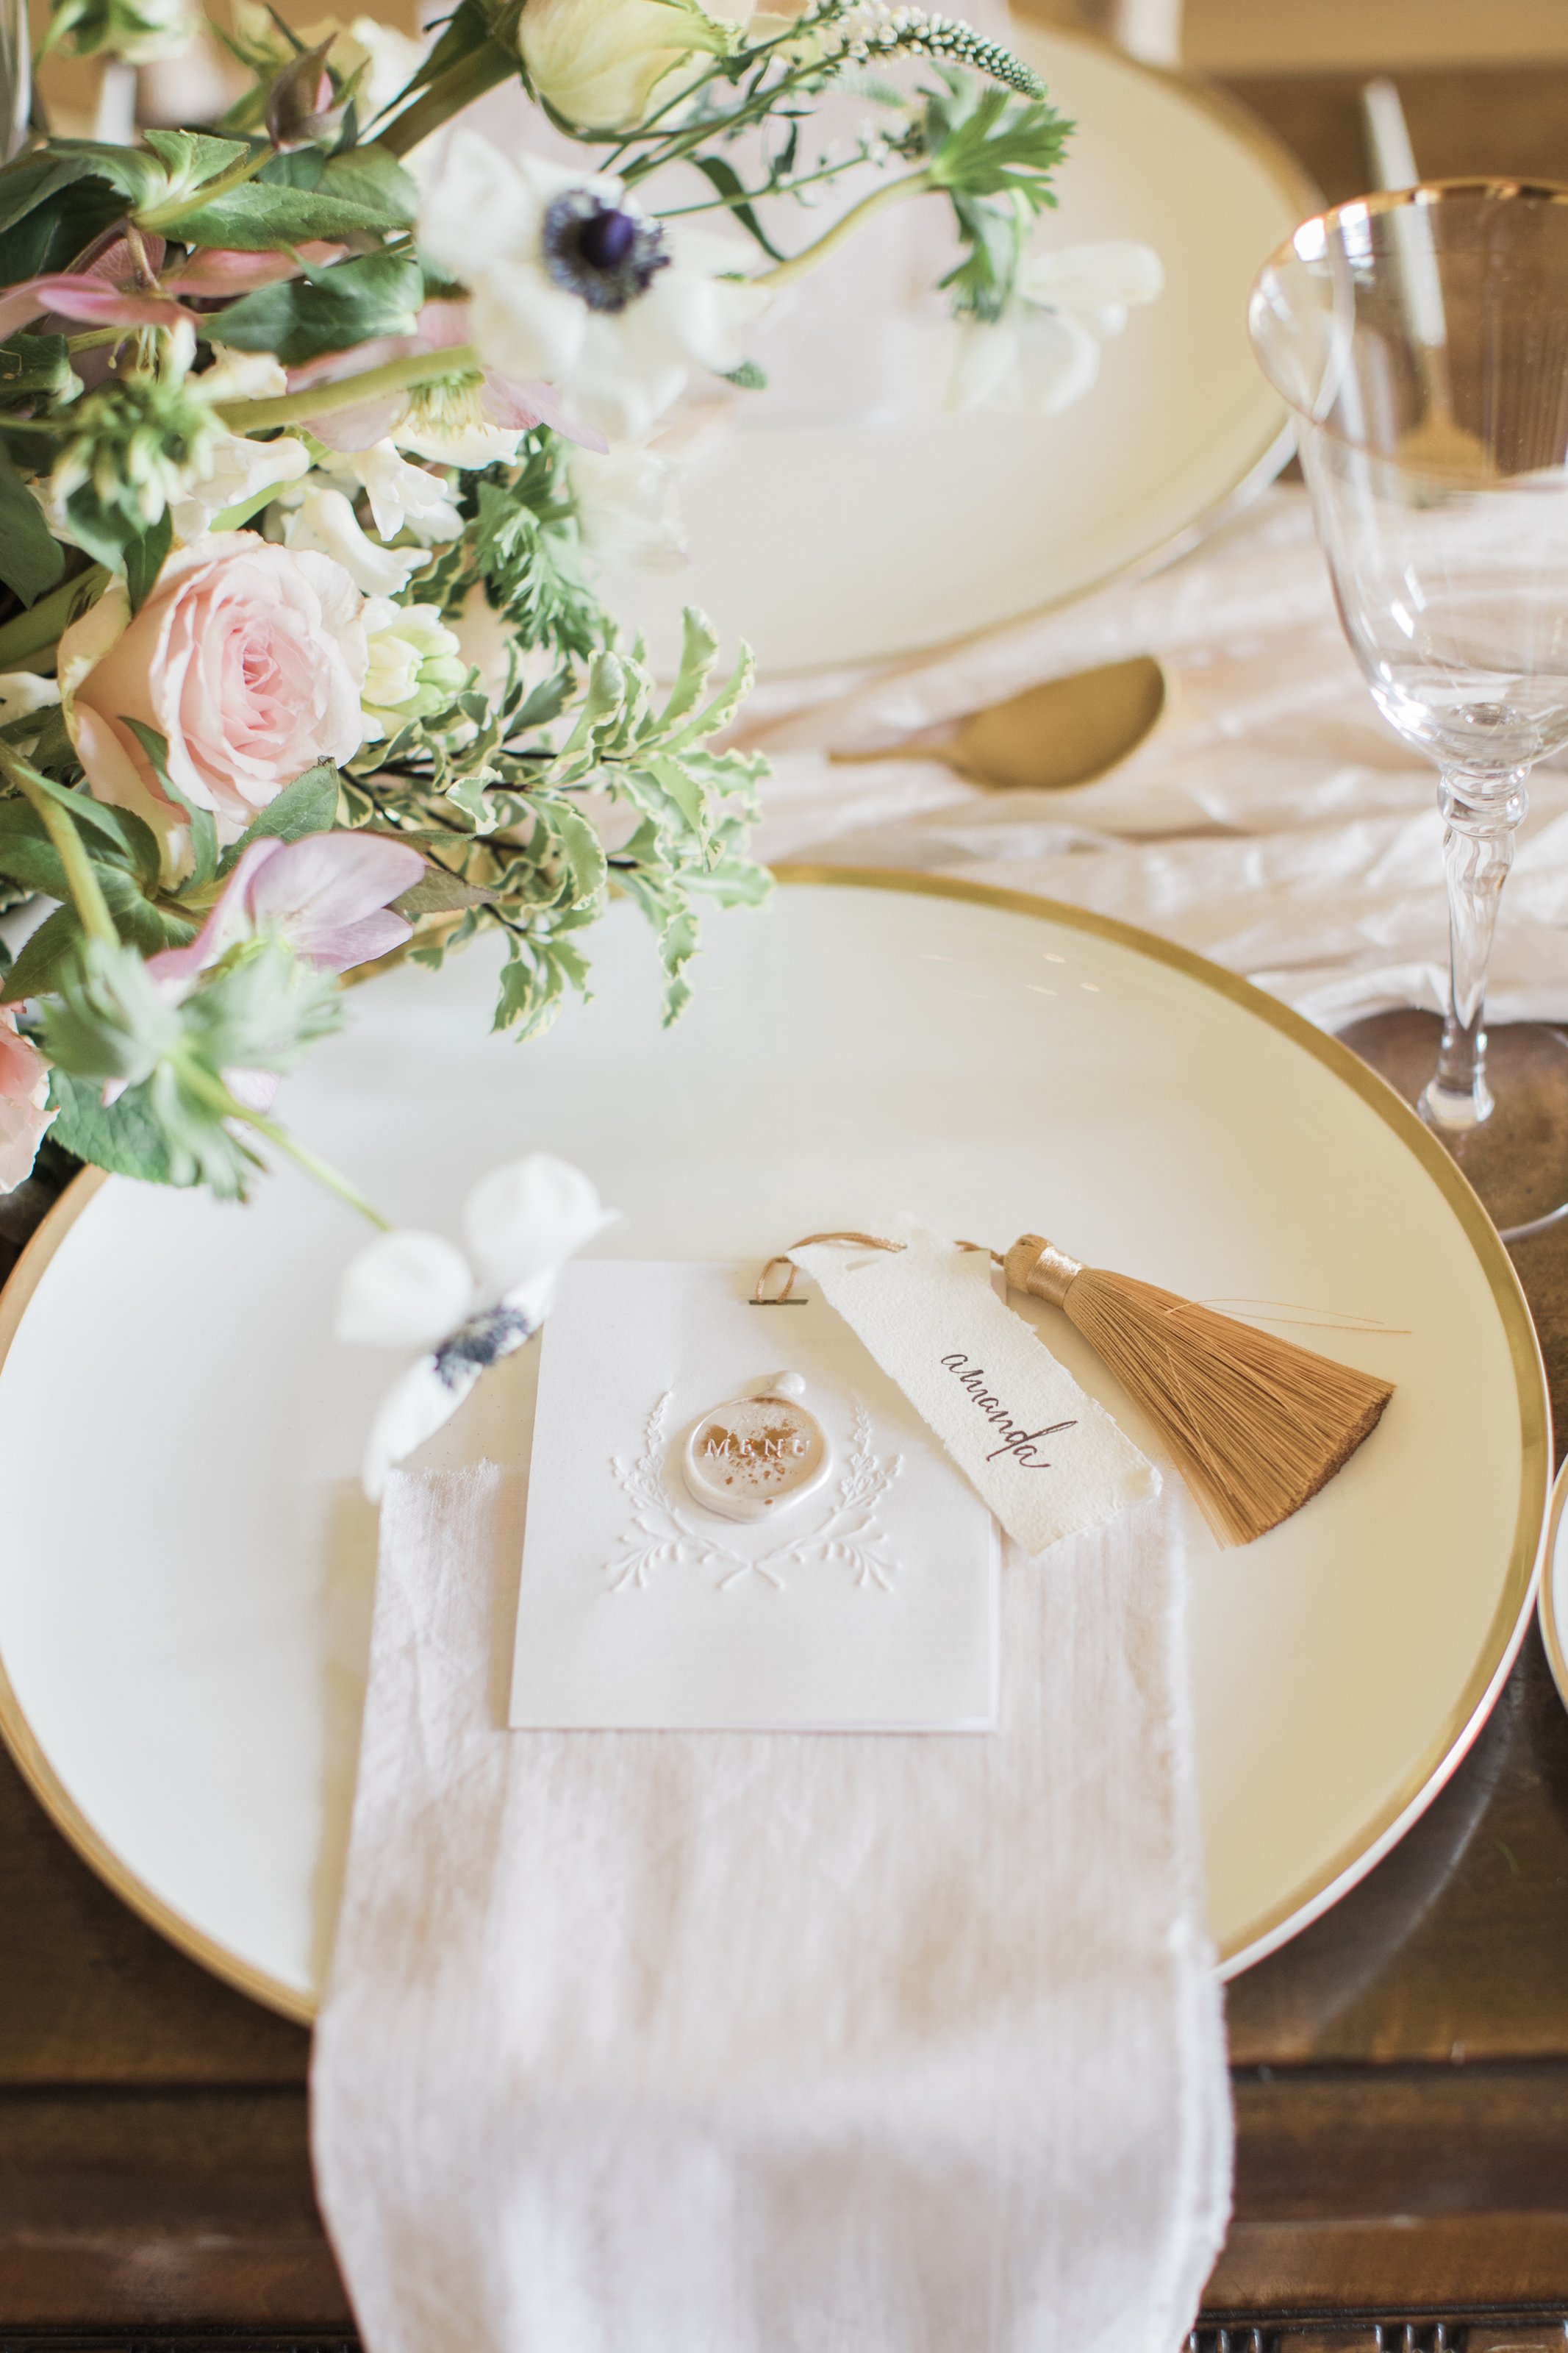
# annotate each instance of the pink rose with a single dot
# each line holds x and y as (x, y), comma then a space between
(24, 1092)
(246, 658)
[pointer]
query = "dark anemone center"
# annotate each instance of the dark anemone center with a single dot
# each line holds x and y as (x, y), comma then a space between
(600, 253)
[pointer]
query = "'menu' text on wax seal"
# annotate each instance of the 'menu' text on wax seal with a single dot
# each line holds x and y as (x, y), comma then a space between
(754, 1456)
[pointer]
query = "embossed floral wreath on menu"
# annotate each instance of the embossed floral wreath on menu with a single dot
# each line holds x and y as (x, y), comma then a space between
(312, 423)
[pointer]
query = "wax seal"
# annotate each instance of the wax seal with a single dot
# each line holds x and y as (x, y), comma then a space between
(755, 1456)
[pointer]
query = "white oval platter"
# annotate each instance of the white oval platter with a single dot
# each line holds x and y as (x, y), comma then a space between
(827, 542)
(186, 1561)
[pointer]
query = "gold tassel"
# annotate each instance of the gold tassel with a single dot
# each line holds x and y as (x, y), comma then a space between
(1256, 1425)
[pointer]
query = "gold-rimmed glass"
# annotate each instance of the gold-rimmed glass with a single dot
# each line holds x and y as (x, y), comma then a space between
(1421, 339)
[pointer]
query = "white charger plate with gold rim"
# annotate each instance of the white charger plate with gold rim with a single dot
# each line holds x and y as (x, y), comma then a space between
(186, 1560)
(832, 540)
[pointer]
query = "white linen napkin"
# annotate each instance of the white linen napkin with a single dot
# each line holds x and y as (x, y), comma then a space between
(1272, 822)
(654, 2042)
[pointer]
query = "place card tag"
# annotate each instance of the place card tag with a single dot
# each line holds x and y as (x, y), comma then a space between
(736, 1522)
(1038, 1450)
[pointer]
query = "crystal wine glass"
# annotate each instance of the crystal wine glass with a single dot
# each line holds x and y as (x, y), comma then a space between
(1421, 339)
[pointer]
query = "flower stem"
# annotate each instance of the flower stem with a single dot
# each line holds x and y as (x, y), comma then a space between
(229, 1107)
(919, 184)
(395, 375)
(448, 95)
(83, 883)
(34, 631)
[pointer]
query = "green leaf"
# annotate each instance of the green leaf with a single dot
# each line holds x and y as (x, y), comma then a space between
(51, 235)
(378, 294)
(309, 805)
(38, 967)
(36, 368)
(31, 559)
(38, 179)
(204, 825)
(192, 157)
(728, 182)
(438, 893)
(124, 833)
(126, 1138)
(144, 558)
(306, 194)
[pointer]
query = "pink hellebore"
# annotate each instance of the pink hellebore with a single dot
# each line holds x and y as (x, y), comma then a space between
(216, 271)
(66, 295)
(24, 1093)
(327, 894)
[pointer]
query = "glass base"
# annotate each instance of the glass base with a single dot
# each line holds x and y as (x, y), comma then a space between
(1518, 1158)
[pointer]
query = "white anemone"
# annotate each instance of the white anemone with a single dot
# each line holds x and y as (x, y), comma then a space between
(415, 1290)
(1044, 351)
(572, 283)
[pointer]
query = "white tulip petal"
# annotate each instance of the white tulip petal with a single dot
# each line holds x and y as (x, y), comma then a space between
(525, 1220)
(404, 1290)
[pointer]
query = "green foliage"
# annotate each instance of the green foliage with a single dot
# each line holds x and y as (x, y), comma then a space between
(377, 295)
(124, 858)
(31, 558)
(994, 155)
(110, 1025)
(309, 805)
(36, 371)
(305, 194)
(526, 550)
(505, 818)
(133, 440)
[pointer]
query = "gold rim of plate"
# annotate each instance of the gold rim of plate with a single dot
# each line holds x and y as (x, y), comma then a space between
(1324, 1887)
(1546, 1608)
(1265, 458)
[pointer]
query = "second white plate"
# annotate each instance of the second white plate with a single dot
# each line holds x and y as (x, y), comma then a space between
(840, 542)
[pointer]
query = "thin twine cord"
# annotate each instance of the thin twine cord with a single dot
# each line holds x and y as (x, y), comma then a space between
(868, 1242)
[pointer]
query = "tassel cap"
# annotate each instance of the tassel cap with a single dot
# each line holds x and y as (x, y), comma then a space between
(1034, 1266)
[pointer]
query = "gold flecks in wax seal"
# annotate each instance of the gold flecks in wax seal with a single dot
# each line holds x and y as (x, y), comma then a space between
(754, 1456)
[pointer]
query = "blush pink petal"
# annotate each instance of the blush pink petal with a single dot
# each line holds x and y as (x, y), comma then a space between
(329, 895)
(219, 271)
(226, 923)
(24, 1088)
(91, 299)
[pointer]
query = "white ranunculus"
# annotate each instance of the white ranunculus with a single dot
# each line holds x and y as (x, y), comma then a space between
(1044, 351)
(573, 283)
(602, 64)
(325, 523)
(415, 667)
(627, 508)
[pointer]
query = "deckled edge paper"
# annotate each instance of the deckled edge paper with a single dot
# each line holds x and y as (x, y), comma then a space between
(1040, 1451)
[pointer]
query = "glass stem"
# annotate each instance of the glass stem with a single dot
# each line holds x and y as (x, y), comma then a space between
(1481, 815)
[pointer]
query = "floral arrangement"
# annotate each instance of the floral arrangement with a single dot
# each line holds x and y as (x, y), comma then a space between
(312, 427)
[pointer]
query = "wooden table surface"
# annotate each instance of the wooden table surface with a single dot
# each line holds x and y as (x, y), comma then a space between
(1401, 2070)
